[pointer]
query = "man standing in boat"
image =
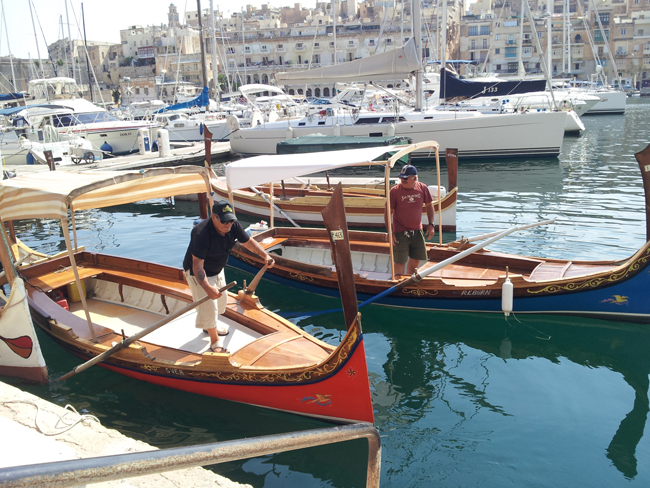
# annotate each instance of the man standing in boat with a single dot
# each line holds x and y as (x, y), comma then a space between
(205, 259)
(406, 200)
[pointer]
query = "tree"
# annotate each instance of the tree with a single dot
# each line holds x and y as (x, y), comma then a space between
(37, 63)
(115, 94)
(60, 62)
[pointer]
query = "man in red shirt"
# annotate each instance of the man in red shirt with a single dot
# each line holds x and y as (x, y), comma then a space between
(406, 200)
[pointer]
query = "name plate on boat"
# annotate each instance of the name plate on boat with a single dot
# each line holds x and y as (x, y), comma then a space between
(337, 235)
(646, 168)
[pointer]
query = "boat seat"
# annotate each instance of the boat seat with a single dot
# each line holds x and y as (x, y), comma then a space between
(550, 271)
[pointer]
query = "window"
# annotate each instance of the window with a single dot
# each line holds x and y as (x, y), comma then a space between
(497, 37)
(498, 67)
(623, 32)
(485, 44)
(598, 35)
(146, 90)
(473, 30)
(137, 91)
(527, 51)
(511, 38)
(604, 18)
(511, 52)
(512, 67)
(497, 50)
(485, 30)
(472, 44)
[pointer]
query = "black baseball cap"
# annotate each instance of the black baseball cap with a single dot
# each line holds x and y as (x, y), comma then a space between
(224, 211)
(408, 171)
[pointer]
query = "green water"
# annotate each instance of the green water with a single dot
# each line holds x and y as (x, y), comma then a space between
(461, 400)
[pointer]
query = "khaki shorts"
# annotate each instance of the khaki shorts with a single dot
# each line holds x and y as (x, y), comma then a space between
(207, 312)
(409, 244)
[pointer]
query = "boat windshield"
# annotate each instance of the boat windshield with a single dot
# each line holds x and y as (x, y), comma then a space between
(66, 120)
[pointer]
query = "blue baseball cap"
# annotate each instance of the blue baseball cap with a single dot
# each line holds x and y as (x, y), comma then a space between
(408, 171)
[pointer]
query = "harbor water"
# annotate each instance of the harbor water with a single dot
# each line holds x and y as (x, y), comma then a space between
(460, 399)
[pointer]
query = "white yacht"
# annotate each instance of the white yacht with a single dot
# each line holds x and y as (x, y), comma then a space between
(82, 118)
(475, 134)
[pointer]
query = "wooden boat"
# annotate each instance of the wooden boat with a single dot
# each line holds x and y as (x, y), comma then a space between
(271, 362)
(300, 200)
(605, 289)
(20, 351)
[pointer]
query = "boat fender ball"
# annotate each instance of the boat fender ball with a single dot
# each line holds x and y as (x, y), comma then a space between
(506, 296)
(107, 148)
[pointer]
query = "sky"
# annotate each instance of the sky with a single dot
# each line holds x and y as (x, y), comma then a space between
(104, 19)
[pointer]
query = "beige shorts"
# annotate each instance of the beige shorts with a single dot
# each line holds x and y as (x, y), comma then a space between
(207, 312)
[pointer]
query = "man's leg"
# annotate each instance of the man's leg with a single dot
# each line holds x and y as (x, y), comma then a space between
(413, 264)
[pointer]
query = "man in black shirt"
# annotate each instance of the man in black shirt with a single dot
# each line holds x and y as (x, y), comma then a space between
(206, 256)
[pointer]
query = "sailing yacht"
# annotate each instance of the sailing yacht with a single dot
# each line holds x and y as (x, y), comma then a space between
(476, 135)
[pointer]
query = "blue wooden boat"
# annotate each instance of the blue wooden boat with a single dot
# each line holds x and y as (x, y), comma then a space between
(615, 290)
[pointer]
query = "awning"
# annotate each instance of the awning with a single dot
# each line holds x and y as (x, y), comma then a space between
(49, 194)
(259, 170)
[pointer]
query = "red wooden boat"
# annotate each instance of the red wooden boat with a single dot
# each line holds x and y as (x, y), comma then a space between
(88, 302)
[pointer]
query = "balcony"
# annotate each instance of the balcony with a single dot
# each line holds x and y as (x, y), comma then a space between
(300, 49)
(281, 49)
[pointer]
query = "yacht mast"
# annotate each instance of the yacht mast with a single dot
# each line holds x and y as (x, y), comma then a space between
(70, 41)
(38, 51)
(215, 66)
(417, 35)
(521, 71)
(11, 60)
(334, 28)
(204, 70)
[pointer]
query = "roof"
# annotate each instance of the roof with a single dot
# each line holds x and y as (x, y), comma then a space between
(51, 194)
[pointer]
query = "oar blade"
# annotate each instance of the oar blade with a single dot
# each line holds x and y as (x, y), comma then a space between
(336, 223)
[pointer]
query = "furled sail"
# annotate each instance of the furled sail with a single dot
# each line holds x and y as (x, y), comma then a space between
(390, 65)
(453, 88)
(203, 100)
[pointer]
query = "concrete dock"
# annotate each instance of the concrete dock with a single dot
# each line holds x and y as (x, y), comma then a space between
(23, 442)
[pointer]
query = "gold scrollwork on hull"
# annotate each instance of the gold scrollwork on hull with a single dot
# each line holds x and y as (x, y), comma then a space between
(301, 277)
(418, 292)
(150, 367)
(596, 282)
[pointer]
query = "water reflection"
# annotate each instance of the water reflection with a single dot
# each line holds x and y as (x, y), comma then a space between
(473, 367)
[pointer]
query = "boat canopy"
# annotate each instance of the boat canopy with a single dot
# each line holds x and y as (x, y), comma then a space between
(203, 100)
(259, 170)
(389, 65)
(50, 194)
(9, 97)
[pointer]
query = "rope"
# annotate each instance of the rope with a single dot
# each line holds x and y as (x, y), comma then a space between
(62, 418)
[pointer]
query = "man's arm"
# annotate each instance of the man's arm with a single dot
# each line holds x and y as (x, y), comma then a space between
(199, 273)
(430, 230)
(255, 247)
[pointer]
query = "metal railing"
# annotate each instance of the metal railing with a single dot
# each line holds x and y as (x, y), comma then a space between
(111, 468)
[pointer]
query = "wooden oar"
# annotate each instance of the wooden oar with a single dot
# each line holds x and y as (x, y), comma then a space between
(125, 342)
(492, 234)
(264, 197)
(419, 274)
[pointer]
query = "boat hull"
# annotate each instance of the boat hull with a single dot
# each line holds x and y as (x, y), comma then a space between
(360, 212)
(618, 292)
(533, 134)
(20, 352)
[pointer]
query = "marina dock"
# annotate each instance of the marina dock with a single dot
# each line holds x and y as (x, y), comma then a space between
(26, 420)
(193, 154)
